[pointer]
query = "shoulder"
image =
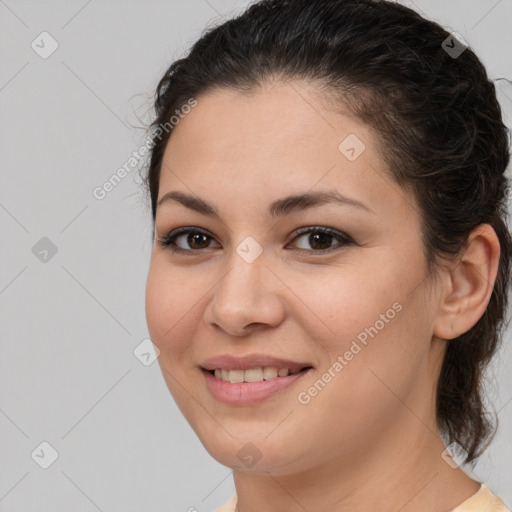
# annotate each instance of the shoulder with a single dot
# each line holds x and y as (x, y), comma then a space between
(229, 506)
(482, 501)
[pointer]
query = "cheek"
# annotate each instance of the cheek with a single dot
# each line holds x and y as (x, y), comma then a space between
(360, 387)
(384, 364)
(371, 325)
(171, 303)
(346, 304)
(172, 318)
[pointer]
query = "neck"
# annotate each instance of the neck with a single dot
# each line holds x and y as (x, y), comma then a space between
(401, 470)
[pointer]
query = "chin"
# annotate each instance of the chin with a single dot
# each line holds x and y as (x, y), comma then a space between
(259, 455)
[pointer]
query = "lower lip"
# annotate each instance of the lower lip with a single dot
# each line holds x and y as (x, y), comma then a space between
(248, 393)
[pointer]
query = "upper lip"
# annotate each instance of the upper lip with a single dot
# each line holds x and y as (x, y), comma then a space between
(230, 362)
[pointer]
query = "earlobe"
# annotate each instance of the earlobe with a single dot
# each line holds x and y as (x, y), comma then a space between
(469, 284)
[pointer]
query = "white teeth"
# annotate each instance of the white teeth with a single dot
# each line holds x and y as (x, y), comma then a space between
(236, 376)
(253, 374)
(269, 373)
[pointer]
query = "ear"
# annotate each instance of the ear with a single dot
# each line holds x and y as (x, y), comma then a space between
(468, 284)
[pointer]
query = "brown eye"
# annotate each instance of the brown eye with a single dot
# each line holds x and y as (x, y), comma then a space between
(197, 240)
(193, 240)
(320, 239)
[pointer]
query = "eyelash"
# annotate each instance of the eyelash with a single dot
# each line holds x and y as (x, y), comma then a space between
(169, 240)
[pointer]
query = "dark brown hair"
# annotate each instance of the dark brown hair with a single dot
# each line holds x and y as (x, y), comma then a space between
(436, 116)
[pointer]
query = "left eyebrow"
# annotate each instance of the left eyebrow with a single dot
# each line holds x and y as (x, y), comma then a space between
(278, 208)
(286, 205)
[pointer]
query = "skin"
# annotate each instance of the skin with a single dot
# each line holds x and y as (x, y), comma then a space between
(371, 432)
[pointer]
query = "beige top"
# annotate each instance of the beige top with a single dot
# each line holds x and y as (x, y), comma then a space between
(483, 501)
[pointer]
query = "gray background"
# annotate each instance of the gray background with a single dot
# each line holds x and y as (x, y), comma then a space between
(69, 325)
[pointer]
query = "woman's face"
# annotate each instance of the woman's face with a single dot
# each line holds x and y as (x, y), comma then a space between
(351, 310)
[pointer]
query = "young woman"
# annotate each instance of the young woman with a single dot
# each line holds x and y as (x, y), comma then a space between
(331, 258)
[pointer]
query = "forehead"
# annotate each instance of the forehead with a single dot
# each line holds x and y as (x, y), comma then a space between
(279, 119)
(280, 138)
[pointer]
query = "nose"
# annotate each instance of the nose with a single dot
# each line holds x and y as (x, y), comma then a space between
(248, 296)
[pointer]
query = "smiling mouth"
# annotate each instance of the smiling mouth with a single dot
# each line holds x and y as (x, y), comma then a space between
(260, 374)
